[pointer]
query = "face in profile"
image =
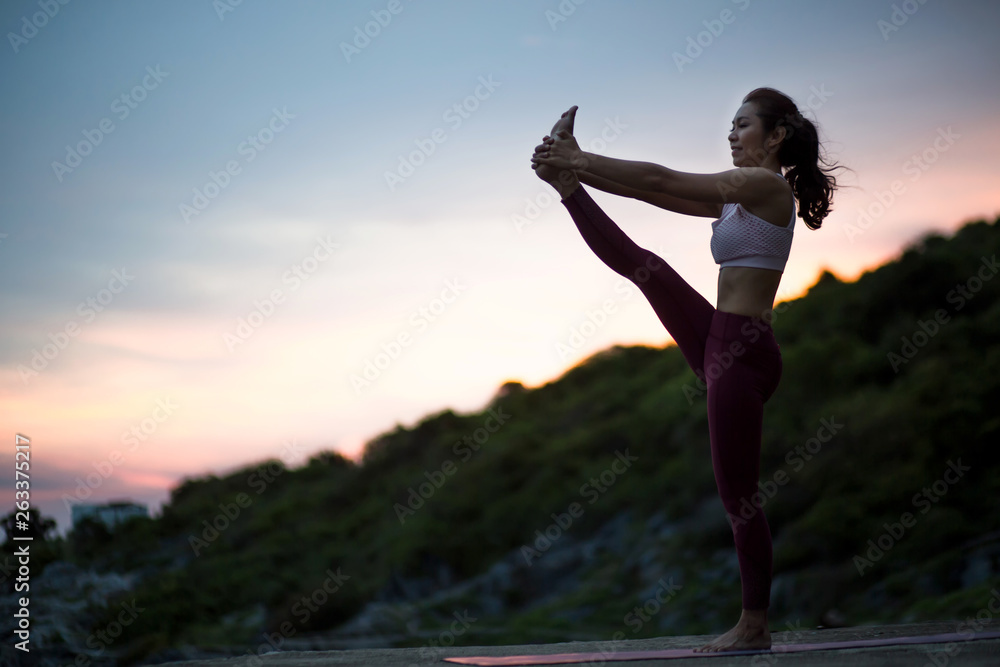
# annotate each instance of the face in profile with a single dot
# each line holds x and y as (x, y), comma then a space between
(746, 139)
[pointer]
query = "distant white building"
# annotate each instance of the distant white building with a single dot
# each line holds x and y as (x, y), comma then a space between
(110, 514)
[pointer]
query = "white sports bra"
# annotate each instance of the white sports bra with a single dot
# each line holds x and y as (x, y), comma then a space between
(740, 238)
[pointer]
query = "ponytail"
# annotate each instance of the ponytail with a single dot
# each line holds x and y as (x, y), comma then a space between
(810, 173)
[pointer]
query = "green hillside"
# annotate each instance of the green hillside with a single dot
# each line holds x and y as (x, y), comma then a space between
(879, 479)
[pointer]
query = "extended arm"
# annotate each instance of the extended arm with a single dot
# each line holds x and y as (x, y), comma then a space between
(659, 199)
(655, 183)
(569, 177)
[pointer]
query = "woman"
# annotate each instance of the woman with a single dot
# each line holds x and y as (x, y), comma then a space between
(730, 347)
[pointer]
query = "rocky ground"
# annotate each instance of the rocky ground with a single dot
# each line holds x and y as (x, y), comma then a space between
(62, 601)
(432, 610)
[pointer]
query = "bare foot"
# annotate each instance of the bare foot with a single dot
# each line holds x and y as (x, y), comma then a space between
(563, 180)
(749, 634)
(565, 122)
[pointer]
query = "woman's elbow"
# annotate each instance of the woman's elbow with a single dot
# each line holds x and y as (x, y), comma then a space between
(656, 179)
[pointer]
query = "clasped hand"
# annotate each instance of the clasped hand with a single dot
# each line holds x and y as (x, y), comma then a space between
(559, 149)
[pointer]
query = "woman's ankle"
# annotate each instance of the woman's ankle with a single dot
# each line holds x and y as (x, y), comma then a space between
(754, 617)
(566, 183)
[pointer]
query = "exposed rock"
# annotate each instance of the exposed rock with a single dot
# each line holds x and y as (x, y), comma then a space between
(62, 604)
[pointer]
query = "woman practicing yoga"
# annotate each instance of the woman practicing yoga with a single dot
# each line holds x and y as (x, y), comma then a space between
(732, 347)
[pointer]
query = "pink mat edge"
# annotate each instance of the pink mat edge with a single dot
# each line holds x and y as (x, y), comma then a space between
(569, 658)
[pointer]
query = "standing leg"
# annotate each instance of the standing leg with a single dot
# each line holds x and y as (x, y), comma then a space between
(685, 313)
(741, 377)
(735, 422)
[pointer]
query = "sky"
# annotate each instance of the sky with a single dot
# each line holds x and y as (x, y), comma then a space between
(234, 231)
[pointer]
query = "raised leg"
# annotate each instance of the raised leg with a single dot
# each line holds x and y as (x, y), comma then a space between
(685, 313)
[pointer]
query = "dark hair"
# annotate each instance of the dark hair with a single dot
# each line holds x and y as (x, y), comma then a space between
(812, 183)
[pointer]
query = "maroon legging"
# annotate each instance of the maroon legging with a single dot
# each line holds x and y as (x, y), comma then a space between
(738, 359)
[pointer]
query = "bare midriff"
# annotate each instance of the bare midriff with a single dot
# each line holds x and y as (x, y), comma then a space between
(748, 291)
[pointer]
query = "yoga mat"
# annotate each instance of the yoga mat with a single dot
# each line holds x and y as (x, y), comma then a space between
(609, 656)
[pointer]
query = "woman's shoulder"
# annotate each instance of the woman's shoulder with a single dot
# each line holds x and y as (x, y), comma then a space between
(742, 212)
